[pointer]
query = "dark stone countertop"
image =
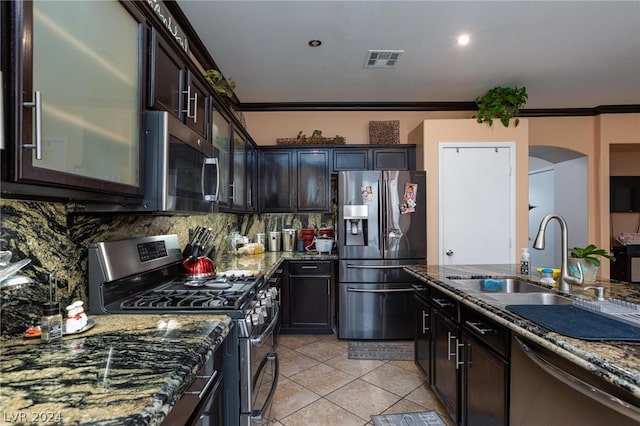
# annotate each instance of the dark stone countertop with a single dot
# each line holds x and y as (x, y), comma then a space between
(127, 369)
(266, 262)
(615, 362)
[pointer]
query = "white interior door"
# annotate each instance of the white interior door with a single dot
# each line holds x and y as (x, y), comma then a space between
(477, 203)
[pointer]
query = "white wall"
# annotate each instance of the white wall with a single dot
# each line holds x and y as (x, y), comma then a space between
(572, 198)
(542, 196)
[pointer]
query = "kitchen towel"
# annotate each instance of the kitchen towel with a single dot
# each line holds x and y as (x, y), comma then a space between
(577, 322)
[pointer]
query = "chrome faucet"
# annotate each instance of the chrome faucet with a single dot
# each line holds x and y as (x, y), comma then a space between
(564, 280)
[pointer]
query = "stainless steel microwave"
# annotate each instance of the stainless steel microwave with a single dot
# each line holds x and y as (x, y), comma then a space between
(182, 173)
(181, 170)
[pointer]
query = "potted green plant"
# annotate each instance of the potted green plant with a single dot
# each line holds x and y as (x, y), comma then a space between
(501, 103)
(220, 84)
(588, 257)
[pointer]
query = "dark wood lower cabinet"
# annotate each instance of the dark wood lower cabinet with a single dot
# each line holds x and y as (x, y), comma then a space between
(423, 349)
(308, 298)
(466, 359)
(485, 382)
(446, 371)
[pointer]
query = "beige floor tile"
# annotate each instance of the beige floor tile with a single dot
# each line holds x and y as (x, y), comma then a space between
(363, 399)
(405, 406)
(353, 367)
(407, 365)
(292, 362)
(323, 350)
(322, 379)
(322, 413)
(296, 341)
(394, 379)
(289, 398)
(424, 396)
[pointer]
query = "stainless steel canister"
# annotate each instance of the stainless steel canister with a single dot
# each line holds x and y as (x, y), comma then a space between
(288, 239)
(274, 241)
(261, 238)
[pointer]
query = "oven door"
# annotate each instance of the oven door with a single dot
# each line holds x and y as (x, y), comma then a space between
(259, 376)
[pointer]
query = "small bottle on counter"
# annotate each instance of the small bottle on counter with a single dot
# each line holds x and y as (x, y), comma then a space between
(525, 262)
(51, 322)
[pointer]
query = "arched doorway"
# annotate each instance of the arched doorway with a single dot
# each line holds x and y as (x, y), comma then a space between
(557, 184)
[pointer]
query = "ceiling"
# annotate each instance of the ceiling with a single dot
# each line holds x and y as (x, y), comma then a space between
(568, 54)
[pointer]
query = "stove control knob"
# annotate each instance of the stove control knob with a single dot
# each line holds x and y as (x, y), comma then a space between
(273, 293)
(257, 319)
(266, 302)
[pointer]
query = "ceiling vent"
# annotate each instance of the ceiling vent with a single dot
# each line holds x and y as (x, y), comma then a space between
(382, 58)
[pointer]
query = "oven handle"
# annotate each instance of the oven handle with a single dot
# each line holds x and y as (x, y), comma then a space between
(256, 415)
(258, 341)
(396, 290)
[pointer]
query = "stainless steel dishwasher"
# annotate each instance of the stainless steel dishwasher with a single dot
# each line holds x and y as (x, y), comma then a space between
(547, 389)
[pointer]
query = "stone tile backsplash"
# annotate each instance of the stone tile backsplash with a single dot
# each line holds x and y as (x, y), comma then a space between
(56, 240)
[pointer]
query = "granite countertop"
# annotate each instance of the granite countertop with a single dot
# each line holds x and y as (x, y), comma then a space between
(616, 362)
(266, 262)
(127, 369)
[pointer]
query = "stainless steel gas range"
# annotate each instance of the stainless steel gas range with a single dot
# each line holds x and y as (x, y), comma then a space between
(144, 275)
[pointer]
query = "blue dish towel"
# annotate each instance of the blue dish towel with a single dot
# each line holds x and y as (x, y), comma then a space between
(492, 285)
(577, 322)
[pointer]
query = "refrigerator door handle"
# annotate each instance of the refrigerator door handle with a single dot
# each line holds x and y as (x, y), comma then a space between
(396, 290)
(352, 266)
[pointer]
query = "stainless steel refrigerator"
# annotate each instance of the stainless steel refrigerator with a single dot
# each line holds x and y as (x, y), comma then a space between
(382, 225)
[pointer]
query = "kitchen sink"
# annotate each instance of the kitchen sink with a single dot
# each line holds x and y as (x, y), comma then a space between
(528, 299)
(509, 285)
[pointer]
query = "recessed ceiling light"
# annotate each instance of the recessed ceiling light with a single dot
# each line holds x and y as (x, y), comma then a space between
(463, 39)
(314, 43)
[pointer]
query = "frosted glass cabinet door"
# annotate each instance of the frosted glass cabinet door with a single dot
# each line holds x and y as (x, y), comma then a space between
(86, 67)
(239, 184)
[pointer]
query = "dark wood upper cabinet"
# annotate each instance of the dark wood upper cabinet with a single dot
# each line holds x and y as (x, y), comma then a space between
(75, 99)
(392, 159)
(350, 159)
(175, 88)
(277, 181)
(314, 184)
(167, 76)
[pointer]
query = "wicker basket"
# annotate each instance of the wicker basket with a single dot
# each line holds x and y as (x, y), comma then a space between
(310, 141)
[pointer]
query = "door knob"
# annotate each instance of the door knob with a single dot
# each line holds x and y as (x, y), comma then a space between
(449, 252)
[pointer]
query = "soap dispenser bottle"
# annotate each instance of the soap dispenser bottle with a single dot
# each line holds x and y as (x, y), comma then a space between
(525, 262)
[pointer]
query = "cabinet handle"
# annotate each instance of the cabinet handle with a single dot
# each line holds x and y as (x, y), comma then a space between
(37, 139)
(458, 362)
(442, 303)
(425, 318)
(449, 354)
(309, 267)
(475, 326)
(195, 103)
(233, 192)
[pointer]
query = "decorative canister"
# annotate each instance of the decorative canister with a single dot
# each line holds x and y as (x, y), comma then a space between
(274, 241)
(288, 239)
(261, 238)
